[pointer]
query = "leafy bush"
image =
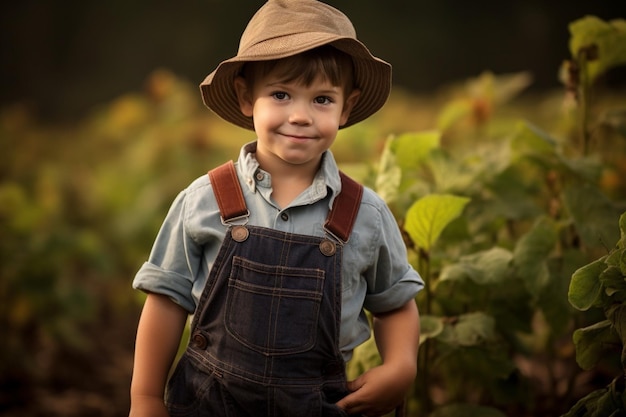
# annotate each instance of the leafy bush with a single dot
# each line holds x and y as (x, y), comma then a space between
(499, 213)
(602, 284)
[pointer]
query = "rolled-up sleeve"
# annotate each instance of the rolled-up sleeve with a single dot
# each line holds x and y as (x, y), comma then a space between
(172, 265)
(391, 280)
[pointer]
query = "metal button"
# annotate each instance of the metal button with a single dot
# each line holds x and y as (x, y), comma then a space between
(284, 216)
(199, 340)
(239, 233)
(328, 247)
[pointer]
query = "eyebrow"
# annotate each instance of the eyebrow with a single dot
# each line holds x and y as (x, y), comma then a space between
(279, 84)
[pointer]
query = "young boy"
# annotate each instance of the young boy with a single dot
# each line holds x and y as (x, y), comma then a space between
(277, 256)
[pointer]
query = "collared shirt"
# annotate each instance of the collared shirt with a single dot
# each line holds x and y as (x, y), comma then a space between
(375, 272)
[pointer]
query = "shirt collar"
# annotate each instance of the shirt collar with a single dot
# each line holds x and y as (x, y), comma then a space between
(327, 176)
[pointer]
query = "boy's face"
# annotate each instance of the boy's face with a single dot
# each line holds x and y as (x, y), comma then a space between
(294, 123)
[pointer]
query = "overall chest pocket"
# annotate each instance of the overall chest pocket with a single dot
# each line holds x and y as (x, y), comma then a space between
(273, 309)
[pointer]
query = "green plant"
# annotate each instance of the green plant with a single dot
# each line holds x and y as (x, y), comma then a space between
(602, 284)
(597, 47)
(499, 211)
(498, 215)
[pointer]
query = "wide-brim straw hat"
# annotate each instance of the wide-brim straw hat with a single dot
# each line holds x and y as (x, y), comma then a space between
(283, 28)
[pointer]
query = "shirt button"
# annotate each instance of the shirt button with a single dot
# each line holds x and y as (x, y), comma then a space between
(284, 216)
(259, 176)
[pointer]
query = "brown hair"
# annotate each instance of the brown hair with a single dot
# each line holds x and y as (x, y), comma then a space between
(326, 61)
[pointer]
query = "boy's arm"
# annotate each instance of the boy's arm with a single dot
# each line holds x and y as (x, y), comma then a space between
(158, 337)
(381, 389)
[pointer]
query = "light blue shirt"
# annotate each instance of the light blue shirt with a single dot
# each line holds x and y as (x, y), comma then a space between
(375, 272)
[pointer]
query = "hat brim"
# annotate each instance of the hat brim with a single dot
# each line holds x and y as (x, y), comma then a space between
(371, 75)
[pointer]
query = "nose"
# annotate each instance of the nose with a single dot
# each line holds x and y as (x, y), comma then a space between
(300, 114)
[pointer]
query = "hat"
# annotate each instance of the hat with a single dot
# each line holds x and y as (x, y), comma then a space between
(282, 28)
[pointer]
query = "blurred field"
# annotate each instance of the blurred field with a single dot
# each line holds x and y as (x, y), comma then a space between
(80, 206)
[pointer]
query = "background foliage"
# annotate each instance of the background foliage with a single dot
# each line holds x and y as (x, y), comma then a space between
(503, 194)
(62, 57)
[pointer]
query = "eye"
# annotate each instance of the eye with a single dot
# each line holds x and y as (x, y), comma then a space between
(280, 95)
(323, 100)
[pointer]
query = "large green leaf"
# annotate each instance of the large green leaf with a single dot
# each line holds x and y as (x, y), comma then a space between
(475, 328)
(485, 267)
(608, 37)
(401, 159)
(598, 403)
(411, 149)
(430, 327)
(617, 316)
(389, 174)
(594, 215)
(586, 169)
(585, 287)
(531, 252)
(531, 140)
(552, 299)
(617, 259)
(614, 283)
(593, 342)
(451, 175)
(514, 192)
(453, 112)
(459, 272)
(427, 217)
(471, 329)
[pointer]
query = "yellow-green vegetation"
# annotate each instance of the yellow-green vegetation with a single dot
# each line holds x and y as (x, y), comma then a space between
(510, 202)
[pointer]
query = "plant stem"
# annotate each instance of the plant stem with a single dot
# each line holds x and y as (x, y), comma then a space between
(584, 91)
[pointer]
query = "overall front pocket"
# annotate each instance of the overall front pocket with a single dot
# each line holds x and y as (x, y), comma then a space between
(188, 389)
(273, 309)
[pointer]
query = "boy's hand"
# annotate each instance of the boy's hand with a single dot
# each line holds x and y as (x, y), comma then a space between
(378, 391)
(381, 389)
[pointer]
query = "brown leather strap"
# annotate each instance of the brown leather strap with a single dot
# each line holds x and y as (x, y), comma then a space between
(340, 219)
(342, 216)
(228, 191)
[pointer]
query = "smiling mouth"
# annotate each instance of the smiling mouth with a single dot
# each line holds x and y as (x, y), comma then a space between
(294, 136)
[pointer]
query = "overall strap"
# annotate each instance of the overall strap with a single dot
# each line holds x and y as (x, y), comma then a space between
(232, 205)
(228, 191)
(342, 216)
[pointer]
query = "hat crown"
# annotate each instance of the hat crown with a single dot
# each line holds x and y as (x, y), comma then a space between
(280, 18)
(284, 28)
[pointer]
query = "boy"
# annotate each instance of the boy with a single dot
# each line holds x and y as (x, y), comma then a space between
(277, 256)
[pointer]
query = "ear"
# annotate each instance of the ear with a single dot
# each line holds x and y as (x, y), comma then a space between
(349, 104)
(243, 96)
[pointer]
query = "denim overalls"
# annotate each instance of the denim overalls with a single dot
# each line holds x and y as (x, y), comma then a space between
(264, 338)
